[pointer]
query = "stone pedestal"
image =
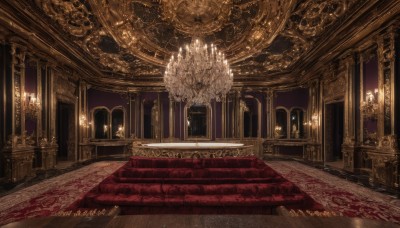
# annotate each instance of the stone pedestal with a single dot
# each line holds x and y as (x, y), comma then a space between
(18, 163)
(348, 157)
(313, 152)
(86, 151)
(45, 157)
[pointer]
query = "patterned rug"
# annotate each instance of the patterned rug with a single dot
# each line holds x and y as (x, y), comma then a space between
(338, 195)
(55, 194)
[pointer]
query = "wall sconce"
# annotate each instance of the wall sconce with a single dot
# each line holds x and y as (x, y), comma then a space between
(120, 132)
(83, 121)
(369, 107)
(278, 131)
(313, 122)
(31, 105)
(105, 128)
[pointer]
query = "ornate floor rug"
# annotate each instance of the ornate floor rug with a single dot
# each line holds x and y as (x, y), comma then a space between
(52, 195)
(338, 195)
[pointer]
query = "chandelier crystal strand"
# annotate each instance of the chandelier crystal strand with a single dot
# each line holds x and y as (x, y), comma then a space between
(198, 74)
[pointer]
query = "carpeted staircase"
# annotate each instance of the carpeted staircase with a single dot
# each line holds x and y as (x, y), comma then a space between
(196, 186)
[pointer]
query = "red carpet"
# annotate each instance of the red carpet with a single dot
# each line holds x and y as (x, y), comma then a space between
(196, 186)
(338, 195)
(52, 195)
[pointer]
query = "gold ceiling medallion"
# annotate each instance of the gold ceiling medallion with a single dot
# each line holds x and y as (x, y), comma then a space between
(197, 16)
(153, 30)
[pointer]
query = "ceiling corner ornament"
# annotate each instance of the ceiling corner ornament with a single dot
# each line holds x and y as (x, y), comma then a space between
(71, 15)
(198, 74)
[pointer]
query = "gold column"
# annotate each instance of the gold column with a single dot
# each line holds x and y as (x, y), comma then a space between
(171, 119)
(236, 128)
(223, 117)
(386, 56)
(39, 96)
(349, 101)
(138, 116)
(160, 119)
(269, 109)
(361, 94)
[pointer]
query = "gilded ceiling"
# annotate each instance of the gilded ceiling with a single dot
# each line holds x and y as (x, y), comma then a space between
(135, 38)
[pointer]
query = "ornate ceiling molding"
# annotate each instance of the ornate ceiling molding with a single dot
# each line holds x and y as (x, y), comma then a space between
(267, 42)
(152, 31)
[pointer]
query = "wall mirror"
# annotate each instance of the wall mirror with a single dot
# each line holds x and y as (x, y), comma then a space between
(369, 97)
(280, 123)
(147, 119)
(197, 124)
(117, 123)
(250, 110)
(101, 123)
(297, 123)
(108, 124)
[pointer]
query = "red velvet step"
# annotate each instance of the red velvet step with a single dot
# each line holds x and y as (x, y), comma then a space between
(195, 173)
(224, 185)
(142, 162)
(206, 189)
(197, 200)
(198, 180)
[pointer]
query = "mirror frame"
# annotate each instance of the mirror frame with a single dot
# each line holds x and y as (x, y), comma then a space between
(242, 111)
(368, 138)
(92, 131)
(301, 123)
(120, 107)
(287, 121)
(209, 126)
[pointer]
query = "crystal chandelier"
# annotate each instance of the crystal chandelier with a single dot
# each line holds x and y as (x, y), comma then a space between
(198, 74)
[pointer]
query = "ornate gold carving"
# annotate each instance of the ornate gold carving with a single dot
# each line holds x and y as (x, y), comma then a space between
(18, 65)
(384, 169)
(197, 17)
(335, 87)
(315, 16)
(313, 152)
(258, 37)
(239, 29)
(143, 151)
(18, 163)
(72, 15)
(123, 61)
(90, 212)
(388, 143)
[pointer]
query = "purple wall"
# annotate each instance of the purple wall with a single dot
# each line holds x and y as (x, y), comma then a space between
(294, 98)
(165, 107)
(218, 119)
(30, 87)
(108, 99)
(370, 82)
(178, 111)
